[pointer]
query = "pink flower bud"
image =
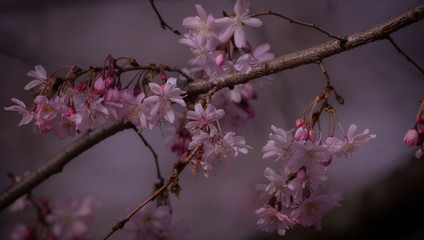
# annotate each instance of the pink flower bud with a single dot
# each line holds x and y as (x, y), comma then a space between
(300, 122)
(163, 76)
(301, 175)
(100, 86)
(219, 60)
(411, 137)
(109, 81)
(301, 134)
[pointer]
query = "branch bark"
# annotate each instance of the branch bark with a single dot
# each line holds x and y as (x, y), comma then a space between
(313, 54)
(56, 163)
(289, 61)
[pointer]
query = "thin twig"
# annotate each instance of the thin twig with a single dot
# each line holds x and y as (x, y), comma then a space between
(163, 24)
(170, 180)
(404, 54)
(153, 152)
(291, 20)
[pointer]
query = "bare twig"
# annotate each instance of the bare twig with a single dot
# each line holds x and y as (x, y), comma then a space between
(291, 20)
(404, 54)
(153, 152)
(163, 24)
(170, 180)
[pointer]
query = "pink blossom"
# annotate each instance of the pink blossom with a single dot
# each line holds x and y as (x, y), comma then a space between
(164, 96)
(150, 223)
(69, 219)
(203, 119)
(278, 145)
(351, 142)
(306, 182)
(204, 26)
(271, 219)
(245, 62)
(307, 154)
(234, 25)
(411, 137)
(40, 76)
(21, 109)
(311, 210)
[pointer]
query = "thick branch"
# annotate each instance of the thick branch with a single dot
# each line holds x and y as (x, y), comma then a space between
(289, 61)
(314, 54)
(56, 163)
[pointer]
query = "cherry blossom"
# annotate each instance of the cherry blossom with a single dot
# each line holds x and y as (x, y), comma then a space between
(271, 219)
(165, 95)
(21, 109)
(40, 76)
(234, 25)
(203, 119)
(352, 141)
(69, 219)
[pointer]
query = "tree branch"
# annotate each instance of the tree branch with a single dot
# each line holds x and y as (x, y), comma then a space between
(56, 163)
(289, 61)
(313, 54)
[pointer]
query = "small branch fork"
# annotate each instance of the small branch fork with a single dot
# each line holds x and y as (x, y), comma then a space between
(291, 20)
(163, 24)
(174, 176)
(404, 54)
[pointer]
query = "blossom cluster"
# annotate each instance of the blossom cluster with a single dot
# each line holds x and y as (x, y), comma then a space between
(415, 135)
(67, 220)
(294, 190)
(93, 102)
(154, 222)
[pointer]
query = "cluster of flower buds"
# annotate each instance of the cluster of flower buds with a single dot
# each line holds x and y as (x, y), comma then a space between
(294, 190)
(415, 135)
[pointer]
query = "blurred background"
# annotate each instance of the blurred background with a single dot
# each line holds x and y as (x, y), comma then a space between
(381, 91)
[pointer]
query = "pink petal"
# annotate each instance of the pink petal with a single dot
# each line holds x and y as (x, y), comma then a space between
(239, 37)
(253, 22)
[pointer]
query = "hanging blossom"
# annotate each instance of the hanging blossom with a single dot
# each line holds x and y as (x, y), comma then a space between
(233, 26)
(154, 223)
(40, 76)
(27, 115)
(160, 103)
(294, 192)
(69, 219)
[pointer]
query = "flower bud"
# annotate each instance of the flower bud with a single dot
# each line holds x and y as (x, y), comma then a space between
(109, 81)
(300, 122)
(100, 86)
(301, 134)
(219, 60)
(411, 137)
